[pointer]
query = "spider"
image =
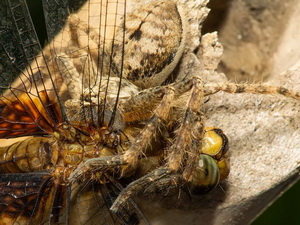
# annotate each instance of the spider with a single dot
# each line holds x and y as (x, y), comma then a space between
(153, 81)
(168, 97)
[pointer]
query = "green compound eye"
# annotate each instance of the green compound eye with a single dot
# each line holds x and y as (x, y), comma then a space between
(205, 177)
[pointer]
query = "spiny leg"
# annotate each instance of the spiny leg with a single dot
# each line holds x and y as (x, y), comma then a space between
(189, 132)
(191, 129)
(163, 179)
(161, 175)
(80, 31)
(211, 88)
(186, 148)
(160, 114)
(132, 154)
(96, 164)
(141, 106)
(70, 75)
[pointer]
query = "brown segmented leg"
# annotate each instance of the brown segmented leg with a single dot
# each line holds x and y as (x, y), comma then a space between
(141, 106)
(96, 164)
(160, 114)
(190, 131)
(186, 147)
(71, 76)
(212, 88)
(83, 35)
(161, 176)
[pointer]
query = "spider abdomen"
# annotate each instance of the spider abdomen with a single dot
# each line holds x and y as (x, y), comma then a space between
(152, 49)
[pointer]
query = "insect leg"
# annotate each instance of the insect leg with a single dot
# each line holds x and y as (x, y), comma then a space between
(79, 33)
(210, 89)
(186, 147)
(140, 106)
(160, 114)
(96, 164)
(159, 175)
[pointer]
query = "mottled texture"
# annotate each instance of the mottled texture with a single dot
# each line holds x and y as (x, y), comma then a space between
(152, 49)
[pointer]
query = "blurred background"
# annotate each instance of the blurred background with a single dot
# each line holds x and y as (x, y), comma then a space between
(285, 210)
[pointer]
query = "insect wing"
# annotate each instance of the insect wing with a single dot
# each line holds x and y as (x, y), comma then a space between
(13, 56)
(76, 63)
(55, 13)
(29, 105)
(25, 198)
(92, 206)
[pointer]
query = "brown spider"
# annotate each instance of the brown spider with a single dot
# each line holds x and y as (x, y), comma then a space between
(132, 91)
(164, 101)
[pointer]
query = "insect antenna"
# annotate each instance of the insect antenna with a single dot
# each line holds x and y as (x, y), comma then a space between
(109, 70)
(100, 63)
(94, 73)
(121, 69)
(108, 62)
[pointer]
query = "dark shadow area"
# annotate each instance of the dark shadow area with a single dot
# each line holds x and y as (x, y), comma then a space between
(37, 15)
(217, 15)
(36, 12)
(284, 210)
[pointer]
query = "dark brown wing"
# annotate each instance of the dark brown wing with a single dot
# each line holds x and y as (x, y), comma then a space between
(34, 198)
(26, 198)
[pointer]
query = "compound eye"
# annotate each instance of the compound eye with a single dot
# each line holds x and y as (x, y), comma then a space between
(214, 142)
(205, 177)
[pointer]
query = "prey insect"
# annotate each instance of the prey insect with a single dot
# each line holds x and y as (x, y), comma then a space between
(116, 99)
(50, 102)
